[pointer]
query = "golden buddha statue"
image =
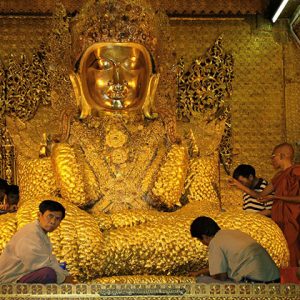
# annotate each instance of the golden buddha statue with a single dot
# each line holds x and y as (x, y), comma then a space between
(117, 154)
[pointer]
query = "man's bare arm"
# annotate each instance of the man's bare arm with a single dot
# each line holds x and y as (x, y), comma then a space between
(291, 199)
(267, 190)
(265, 212)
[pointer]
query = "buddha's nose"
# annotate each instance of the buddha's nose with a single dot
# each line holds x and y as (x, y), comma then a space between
(116, 74)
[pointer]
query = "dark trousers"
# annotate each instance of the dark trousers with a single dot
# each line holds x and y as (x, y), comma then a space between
(43, 275)
(249, 280)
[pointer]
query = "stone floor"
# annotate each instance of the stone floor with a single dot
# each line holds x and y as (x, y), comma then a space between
(150, 291)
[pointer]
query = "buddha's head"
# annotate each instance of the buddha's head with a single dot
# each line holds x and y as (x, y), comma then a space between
(114, 54)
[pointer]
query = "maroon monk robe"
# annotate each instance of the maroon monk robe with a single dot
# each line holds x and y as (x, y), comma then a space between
(287, 214)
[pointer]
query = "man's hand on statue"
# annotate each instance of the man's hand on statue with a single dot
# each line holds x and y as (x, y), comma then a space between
(233, 182)
(266, 198)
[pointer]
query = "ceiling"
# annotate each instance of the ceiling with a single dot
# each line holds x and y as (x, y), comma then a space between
(173, 8)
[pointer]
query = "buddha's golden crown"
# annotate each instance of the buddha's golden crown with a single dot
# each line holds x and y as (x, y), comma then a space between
(114, 21)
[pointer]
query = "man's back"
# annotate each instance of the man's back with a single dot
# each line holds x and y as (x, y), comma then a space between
(237, 254)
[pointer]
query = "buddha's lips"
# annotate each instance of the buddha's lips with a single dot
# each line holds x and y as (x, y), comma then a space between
(117, 94)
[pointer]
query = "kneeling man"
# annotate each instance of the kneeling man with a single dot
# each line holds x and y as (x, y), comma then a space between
(28, 258)
(233, 255)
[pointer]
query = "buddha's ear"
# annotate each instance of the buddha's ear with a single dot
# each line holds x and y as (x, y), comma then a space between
(81, 102)
(148, 107)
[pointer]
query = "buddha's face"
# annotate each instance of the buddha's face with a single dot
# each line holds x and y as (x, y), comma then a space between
(115, 76)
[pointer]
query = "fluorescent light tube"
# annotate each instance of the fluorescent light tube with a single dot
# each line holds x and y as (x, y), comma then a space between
(279, 10)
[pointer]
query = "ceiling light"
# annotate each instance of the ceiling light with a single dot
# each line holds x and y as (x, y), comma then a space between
(279, 10)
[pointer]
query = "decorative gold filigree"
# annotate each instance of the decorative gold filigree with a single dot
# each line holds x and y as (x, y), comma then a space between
(58, 60)
(120, 155)
(114, 21)
(226, 147)
(202, 91)
(115, 139)
(7, 157)
(204, 87)
(2, 92)
(27, 86)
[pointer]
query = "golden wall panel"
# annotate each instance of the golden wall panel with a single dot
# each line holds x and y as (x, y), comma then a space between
(292, 115)
(292, 94)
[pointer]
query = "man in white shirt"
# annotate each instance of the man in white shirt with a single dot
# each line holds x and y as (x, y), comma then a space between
(233, 255)
(28, 258)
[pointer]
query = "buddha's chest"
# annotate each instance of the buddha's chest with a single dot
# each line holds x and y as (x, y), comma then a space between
(121, 153)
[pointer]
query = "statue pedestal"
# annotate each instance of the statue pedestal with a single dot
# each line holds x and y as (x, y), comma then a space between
(150, 291)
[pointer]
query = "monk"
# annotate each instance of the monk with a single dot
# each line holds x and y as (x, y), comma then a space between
(286, 206)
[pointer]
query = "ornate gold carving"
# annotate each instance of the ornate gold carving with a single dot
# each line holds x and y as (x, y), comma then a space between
(115, 139)
(150, 287)
(202, 92)
(23, 87)
(203, 88)
(7, 157)
(27, 86)
(58, 60)
(121, 156)
(226, 147)
(145, 279)
(2, 92)
(136, 23)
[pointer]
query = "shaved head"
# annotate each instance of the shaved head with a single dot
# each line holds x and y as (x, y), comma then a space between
(285, 149)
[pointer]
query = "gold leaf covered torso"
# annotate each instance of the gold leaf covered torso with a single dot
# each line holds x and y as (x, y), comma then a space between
(118, 158)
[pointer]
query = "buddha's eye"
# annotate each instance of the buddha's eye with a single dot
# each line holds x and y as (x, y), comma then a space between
(131, 63)
(102, 64)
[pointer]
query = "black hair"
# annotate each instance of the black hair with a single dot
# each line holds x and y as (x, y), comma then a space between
(52, 205)
(243, 170)
(12, 190)
(3, 185)
(204, 225)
